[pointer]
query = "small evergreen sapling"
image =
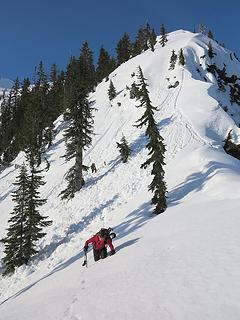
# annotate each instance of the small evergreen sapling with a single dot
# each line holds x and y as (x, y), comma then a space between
(173, 60)
(134, 92)
(111, 91)
(124, 149)
(181, 59)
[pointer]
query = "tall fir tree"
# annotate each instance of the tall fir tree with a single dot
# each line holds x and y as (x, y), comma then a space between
(181, 59)
(163, 38)
(78, 136)
(87, 68)
(55, 102)
(9, 124)
(142, 41)
(124, 149)
(14, 240)
(35, 222)
(105, 65)
(111, 91)
(155, 146)
(38, 115)
(26, 223)
(152, 39)
(123, 49)
(173, 60)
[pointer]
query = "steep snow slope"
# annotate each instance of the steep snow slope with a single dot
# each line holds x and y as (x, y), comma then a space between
(183, 264)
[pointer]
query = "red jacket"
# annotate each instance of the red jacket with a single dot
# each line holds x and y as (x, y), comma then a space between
(99, 243)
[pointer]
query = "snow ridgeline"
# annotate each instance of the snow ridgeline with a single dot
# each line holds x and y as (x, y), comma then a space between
(183, 264)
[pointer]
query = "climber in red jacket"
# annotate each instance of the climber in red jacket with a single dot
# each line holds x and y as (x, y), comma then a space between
(99, 242)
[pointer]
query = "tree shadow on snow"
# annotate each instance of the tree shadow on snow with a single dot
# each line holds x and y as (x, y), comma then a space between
(135, 220)
(196, 181)
(75, 228)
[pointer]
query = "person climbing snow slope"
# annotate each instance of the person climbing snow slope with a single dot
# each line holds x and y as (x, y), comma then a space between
(99, 242)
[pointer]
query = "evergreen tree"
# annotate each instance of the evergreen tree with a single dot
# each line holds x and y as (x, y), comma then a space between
(39, 111)
(124, 149)
(34, 221)
(105, 65)
(86, 65)
(155, 146)
(142, 41)
(163, 38)
(210, 34)
(26, 223)
(14, 240)
(134, 92)
(181, 59)
(111, 91)
(9, 124)
(152, 39)
(210, 50)
(78, 135)
(55, 102)
(173, 60)
(123, 49)
(201, 28)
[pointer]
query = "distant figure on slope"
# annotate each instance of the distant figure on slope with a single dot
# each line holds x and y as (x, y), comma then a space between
(93, 167)
(99, 242)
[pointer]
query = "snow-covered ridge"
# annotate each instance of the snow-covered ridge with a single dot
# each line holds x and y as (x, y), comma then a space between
(182, 257)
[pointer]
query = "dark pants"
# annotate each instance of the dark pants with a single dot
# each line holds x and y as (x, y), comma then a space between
(99, 254)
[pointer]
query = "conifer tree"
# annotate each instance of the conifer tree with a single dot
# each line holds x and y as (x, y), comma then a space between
(78, 135)
(38, 113)
(14, 240)
(181, 59)
(35, 222)
(210, 34)
(152, 39)
(124, 149)
(105, 65)
(201, 28)
(86, 65)
(134, 91)
(123, 49)
(9, 123)
(155, 146)
(142, 41)
(173, 60)
(111, 91)
(26, 223)
(55, 103)
(163, 38)
(210, 50)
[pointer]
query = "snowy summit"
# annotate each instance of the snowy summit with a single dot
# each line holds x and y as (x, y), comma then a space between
(182, 264)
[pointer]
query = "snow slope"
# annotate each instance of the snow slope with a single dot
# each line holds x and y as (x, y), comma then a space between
(183, 264)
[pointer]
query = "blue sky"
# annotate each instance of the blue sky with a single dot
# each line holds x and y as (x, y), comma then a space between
(52, 30)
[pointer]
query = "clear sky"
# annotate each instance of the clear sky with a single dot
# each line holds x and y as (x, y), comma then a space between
(52, 30)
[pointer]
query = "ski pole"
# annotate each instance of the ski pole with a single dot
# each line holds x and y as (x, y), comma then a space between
(85, 259)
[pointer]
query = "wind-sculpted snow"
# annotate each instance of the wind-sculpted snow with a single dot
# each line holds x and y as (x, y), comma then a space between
(183, 264)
